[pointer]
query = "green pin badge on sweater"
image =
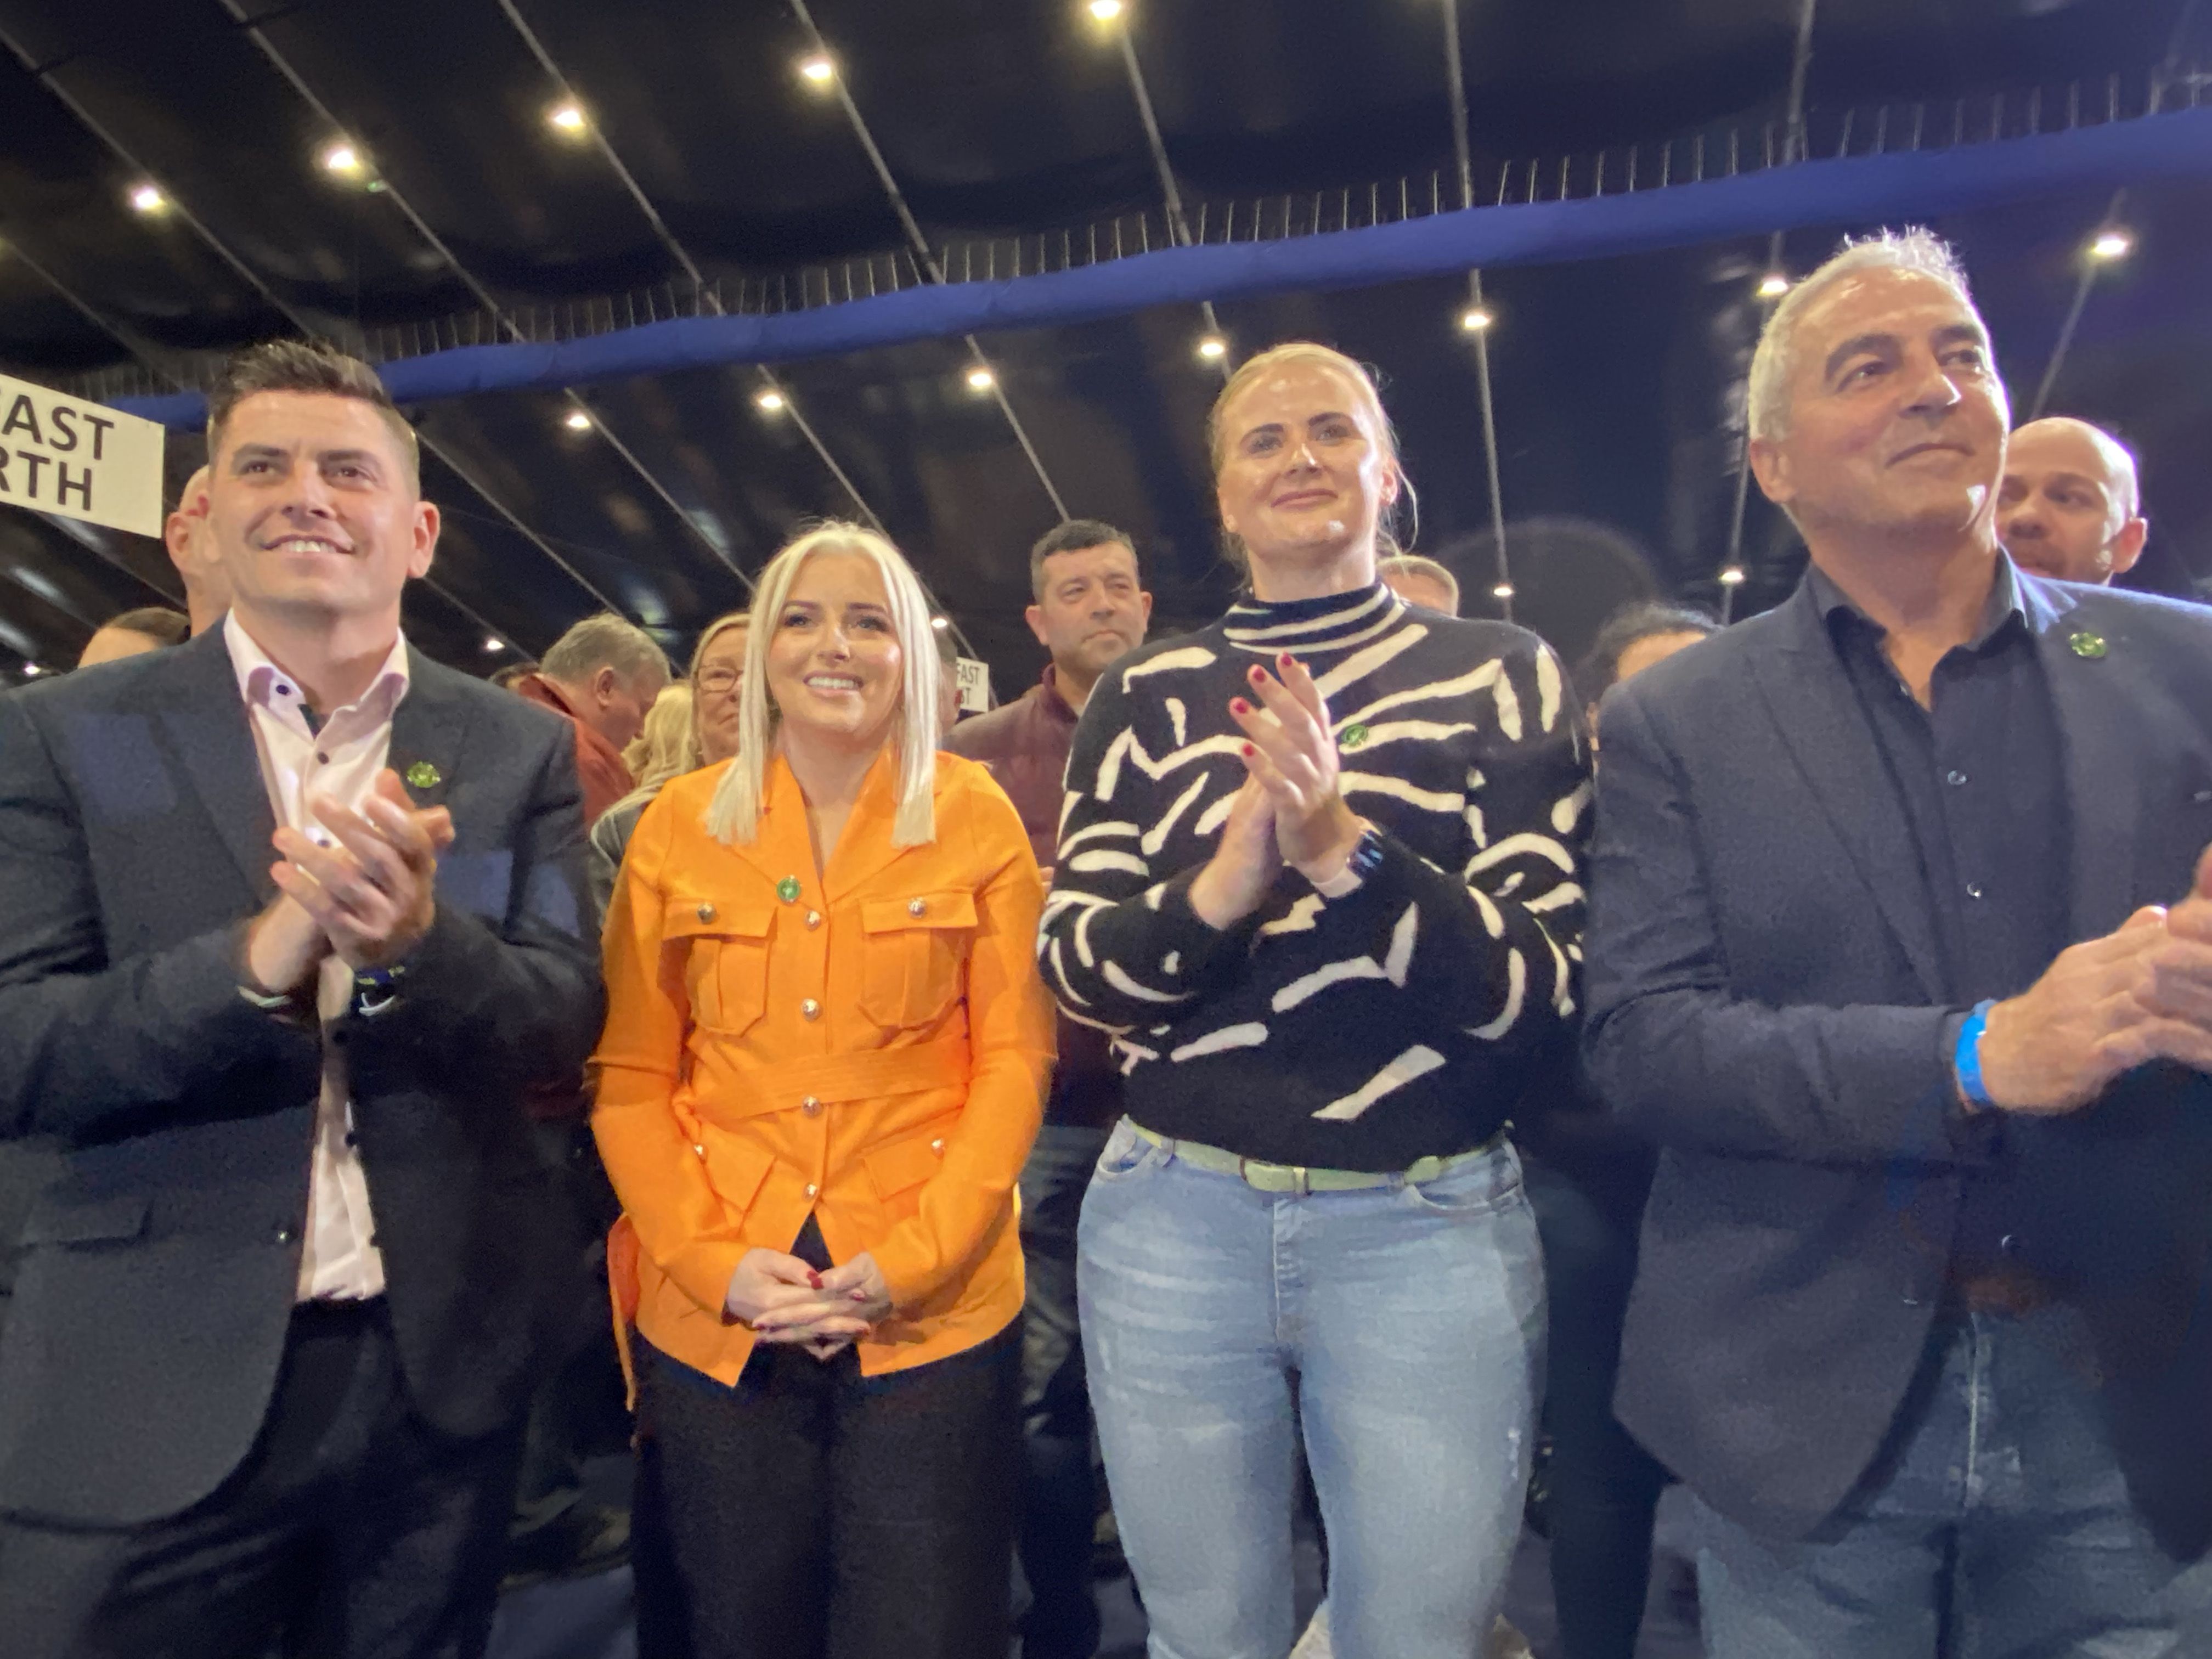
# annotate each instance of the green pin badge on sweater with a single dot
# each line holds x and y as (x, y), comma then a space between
(424, 775)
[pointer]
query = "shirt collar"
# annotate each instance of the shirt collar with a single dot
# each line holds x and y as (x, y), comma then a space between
(263, 684)
(1055, 702)
(2003, 603)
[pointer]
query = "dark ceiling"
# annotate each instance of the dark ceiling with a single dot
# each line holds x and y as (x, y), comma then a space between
(992, 117)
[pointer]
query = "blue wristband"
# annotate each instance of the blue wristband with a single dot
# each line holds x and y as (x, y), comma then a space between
(1966, 1058)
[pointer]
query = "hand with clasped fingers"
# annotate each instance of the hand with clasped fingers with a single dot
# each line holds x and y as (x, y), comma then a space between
(1292, 809)
(783, 1300)
(2105, 1006)
(370, 898)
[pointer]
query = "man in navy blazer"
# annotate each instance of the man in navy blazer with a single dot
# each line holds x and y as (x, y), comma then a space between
(291, 919)
(1882, 957)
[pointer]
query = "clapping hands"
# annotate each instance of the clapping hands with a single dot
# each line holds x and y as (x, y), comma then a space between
(370, 898)
(2103, 1008)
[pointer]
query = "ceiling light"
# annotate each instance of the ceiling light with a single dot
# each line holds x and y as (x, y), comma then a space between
(1732, 577)
(566, 118)
(980, 378)
(771, 400)
(578, 421)
(147, 200)
(941, 622)
(1213, 348)
(1104, 10)
(1503, 591)
(1773, 285)
(1475, 318)
(32, 670)
(818, 69)
(492, 647)
(2112, 245)
(342, 159)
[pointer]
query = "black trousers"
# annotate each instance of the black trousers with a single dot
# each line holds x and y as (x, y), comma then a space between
(1605, 1487)
(353, 1530)
(813, 1513)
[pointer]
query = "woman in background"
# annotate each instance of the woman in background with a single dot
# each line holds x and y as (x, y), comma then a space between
(691, 726)
(825, 1060)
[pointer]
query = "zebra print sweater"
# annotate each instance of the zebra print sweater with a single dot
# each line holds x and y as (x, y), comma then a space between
(1360, 1032)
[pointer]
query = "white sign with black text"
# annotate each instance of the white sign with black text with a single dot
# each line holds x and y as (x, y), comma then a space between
(974, 686)
(62, 454)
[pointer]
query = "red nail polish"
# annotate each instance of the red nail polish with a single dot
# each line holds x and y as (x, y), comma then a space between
(1238, 706)
(1249, 750)
(1286, 660)
(1258, 675)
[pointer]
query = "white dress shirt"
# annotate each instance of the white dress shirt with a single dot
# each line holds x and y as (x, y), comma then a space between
(339, 1259)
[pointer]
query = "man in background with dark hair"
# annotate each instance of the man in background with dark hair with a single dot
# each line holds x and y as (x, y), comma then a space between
(291, 919)
(1090, 609)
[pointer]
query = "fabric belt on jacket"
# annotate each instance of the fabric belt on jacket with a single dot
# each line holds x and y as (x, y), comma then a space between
(1266, 1177)
(725, 1090)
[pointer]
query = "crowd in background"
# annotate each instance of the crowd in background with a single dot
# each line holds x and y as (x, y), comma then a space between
(1341, 1059)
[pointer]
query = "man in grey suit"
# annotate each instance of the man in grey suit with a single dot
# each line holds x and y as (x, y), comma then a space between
(290, 919)
(1882, 957)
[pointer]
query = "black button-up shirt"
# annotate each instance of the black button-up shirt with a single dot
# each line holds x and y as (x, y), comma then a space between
(1980, 782)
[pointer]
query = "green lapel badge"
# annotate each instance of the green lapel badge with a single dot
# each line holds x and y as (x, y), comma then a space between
(1352, 736)
(787, 890)
(2086, 644)
(424, 775)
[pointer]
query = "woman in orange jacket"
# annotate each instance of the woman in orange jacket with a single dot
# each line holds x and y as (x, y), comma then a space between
(825, 1055)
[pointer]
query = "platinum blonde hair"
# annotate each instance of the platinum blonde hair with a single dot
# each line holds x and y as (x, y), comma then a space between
(733, 813)
(1767, 396)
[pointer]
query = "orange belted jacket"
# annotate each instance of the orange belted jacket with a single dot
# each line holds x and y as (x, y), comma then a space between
(870, 1044)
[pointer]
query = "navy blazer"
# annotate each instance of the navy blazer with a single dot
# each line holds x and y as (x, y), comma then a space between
(1761, 990)
(159, 1271)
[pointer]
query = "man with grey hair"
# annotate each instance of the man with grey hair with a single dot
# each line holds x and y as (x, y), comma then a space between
(1901, 952)
(603, 674)
(2069, 506)
(1421, 582)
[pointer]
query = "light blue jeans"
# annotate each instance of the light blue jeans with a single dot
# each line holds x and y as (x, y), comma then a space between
(1400, 1329)
(1997, 1525)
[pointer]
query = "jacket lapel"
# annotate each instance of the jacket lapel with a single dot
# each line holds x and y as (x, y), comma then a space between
(864, 848)
(1811, 701)
(429, 730)
(203, 716)
(2089, 692)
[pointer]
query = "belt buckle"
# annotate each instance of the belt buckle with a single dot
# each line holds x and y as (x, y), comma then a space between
(1247, 1170)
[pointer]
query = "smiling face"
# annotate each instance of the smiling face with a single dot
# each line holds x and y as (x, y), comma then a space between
(2068, 506)
(1304, 472)
(313, 511)
(835, 668)
(716, 684)
(1895, 419)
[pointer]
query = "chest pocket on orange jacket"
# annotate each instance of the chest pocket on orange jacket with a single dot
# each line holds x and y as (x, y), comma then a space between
(723, 950)
(914, 952)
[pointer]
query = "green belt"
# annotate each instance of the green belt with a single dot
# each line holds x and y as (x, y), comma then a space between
(1298, 1178)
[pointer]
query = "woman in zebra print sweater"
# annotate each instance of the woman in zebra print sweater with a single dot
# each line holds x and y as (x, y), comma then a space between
(1319, 872)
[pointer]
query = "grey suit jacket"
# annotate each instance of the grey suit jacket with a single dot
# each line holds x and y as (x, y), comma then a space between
(159, 1271)
(1762, 1004)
